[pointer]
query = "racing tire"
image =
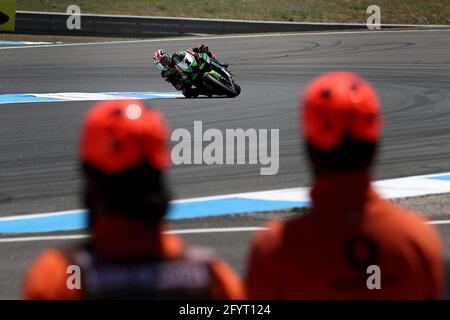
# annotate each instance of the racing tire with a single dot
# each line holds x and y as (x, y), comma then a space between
(190, 93)
(229, 92)
(238, 89)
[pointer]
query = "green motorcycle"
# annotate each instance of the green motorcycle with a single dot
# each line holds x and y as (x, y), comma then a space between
(205, 74)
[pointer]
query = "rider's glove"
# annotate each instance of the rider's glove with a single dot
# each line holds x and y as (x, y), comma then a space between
(204, 48)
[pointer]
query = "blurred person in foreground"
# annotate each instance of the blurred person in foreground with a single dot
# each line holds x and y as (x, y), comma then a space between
(124, 156)
(333, 251)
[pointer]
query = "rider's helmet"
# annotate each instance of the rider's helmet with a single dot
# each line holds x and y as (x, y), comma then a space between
(162, 60)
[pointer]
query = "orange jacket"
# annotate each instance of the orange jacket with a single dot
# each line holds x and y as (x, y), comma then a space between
(325, 253)
(119, 239)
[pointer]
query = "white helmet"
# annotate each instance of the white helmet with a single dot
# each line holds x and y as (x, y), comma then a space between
(162, 60)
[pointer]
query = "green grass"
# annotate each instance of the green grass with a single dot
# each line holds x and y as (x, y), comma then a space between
(393, 11)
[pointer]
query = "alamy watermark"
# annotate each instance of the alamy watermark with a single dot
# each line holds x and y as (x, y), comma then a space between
(74, 20)
(229, 147)
(374, 20)
(74, 279)
(374, 280)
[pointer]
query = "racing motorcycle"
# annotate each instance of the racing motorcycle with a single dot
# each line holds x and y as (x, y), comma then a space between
(206, 75)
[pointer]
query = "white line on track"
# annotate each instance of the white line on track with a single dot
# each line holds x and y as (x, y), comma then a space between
(215, 230)
(181, 232)
(40, 215)
(440, 222)
(84, 236)
(44, 238)
(264, 35)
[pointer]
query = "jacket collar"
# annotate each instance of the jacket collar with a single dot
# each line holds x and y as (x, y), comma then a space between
(341, 195)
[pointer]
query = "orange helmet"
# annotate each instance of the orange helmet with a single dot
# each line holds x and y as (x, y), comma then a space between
(340, 104)
(119, 134)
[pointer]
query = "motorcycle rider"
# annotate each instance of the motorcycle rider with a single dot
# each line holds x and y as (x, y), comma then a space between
(166, 64)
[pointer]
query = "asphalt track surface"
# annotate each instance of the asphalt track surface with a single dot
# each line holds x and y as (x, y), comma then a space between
(38, 142)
